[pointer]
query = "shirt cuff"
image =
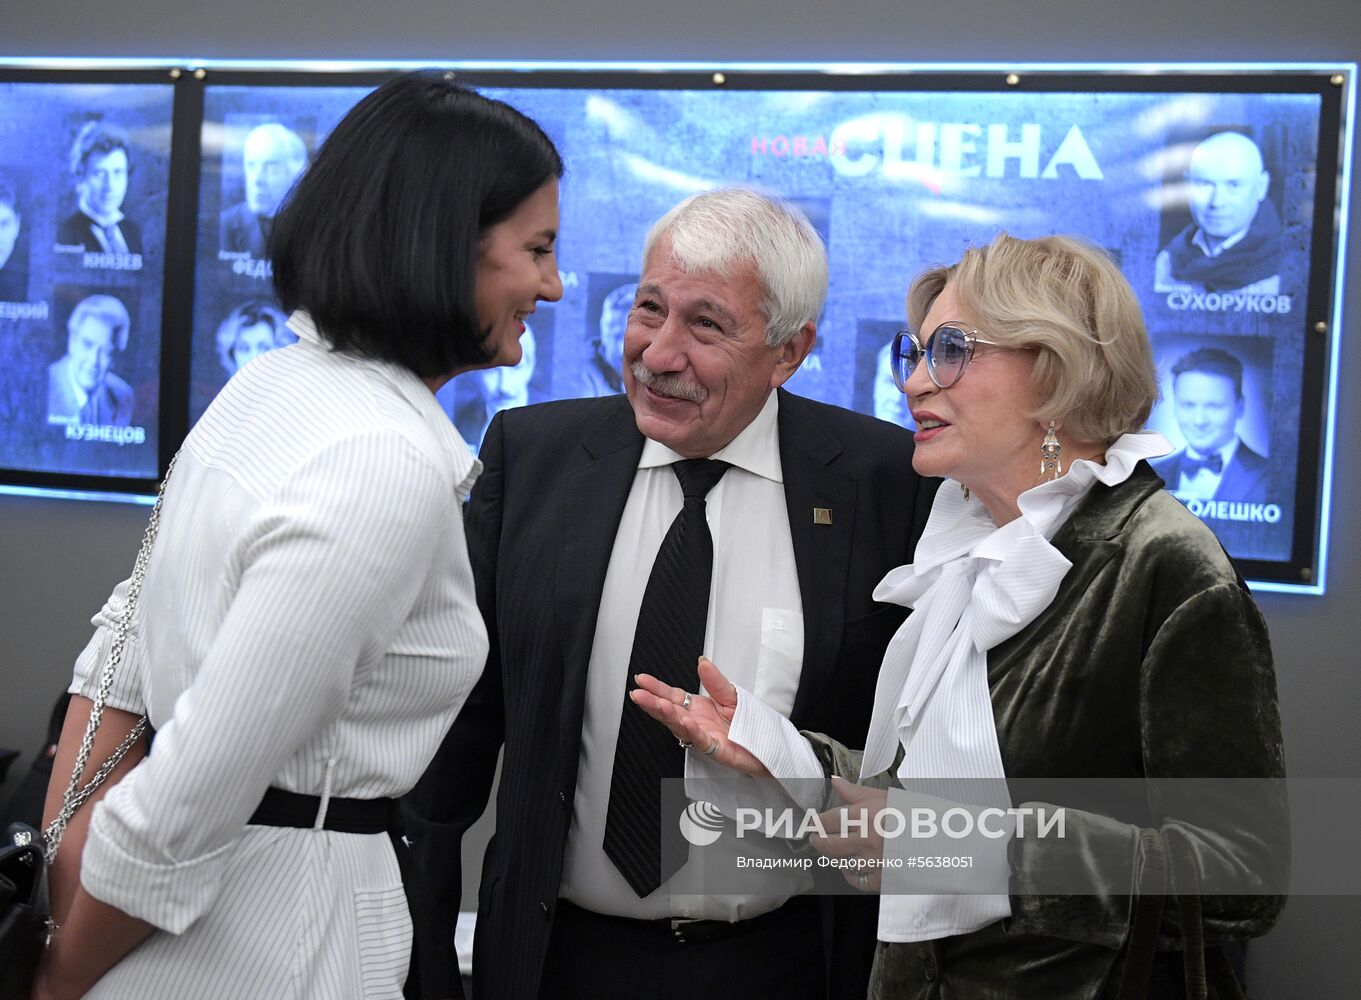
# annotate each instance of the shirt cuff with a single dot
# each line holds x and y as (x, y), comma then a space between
(773, 740)
(125, 691)
(937, 883)
(166, 893)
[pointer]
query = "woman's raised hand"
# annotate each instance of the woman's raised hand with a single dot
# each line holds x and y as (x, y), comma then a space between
(698, 721)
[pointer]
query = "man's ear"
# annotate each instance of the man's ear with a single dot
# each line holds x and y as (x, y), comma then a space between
(792, 353)
(1263, 184)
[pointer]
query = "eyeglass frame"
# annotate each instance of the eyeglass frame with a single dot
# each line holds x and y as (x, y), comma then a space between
(971, 340)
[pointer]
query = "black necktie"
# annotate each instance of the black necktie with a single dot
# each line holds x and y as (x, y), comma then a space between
(667, 643)
(1191, 466)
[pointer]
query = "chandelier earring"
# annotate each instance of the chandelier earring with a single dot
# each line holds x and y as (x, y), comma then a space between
(1050, 465)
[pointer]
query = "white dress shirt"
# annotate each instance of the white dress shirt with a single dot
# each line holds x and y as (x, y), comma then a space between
(971, 586)
(308, 621)
(754, 632)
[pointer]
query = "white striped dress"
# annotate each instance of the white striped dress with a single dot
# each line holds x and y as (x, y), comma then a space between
(308, 621)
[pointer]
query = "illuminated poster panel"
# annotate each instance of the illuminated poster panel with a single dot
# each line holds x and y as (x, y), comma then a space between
(1207, 201)
(84, 181)
(257, 141)
(1216, 192)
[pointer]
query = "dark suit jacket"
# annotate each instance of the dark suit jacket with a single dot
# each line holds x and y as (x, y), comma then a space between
(75, 231)
(13, 283)
(541, 524)
(1244, 477)
(241, 230)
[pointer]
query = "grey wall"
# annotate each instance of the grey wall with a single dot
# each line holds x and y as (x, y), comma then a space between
(59, 558)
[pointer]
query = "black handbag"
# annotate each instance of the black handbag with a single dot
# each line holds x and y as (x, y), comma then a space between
(23, 909)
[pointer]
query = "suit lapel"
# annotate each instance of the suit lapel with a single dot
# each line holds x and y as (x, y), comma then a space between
(1239, 474)
(1231, 482)
(594, 490)
(821, 551)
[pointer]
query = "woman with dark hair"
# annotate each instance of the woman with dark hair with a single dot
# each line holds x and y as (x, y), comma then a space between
(306, 628)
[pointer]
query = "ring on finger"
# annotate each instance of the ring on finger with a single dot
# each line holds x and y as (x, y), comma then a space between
(712, 748)
(684, 744)
(685, 703)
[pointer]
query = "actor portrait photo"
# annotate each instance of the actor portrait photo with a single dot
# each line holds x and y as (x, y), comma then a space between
(874, 390)
(13, 265)
(272, 159)
(1233, 243)
(80, 387)
(100, 163)
(480, 395)
(251, 329)
(1216, 464)
(602, 375)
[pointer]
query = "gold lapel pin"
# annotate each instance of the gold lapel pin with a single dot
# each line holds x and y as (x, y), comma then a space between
(822, 515)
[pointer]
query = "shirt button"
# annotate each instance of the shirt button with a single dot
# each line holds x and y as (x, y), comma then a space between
(921, 919)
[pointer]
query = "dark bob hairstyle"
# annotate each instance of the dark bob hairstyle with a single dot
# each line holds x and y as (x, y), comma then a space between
(378, 239)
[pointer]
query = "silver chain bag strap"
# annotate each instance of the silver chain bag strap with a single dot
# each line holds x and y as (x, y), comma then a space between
(75, 795)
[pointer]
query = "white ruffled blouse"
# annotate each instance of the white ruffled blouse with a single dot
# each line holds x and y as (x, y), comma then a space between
(972, 586)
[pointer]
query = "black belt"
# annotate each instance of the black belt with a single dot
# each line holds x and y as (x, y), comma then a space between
(289, 809)
(684, 931)
(281, 808)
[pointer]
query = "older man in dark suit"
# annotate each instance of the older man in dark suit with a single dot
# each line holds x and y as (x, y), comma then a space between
(705, 511)
(101, 164)
(272, 159)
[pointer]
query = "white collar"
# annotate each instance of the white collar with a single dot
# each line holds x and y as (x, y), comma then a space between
(112, 219)
(1230, 241)
(1047, 505)
(756, 449)
(959, 527)
(413, 389)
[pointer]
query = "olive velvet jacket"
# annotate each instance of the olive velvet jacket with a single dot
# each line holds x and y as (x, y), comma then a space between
(1152, 661)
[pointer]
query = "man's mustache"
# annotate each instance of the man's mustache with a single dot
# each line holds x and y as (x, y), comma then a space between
(668, 385)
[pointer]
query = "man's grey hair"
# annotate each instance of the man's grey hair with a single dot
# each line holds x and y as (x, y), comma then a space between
(720, 230)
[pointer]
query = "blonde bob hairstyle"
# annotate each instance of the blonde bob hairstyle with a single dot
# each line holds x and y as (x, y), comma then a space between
(1065, 299)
